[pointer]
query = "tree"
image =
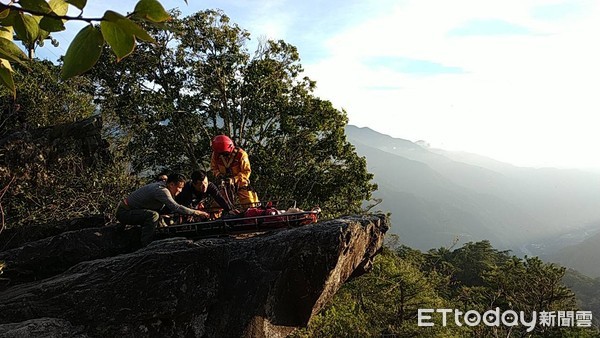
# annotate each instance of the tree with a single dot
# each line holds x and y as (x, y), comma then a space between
(43, 99)
(403, 280)
(33, 21)
(383, 302)
(141, 99)
(532, 285)
(201, 81)
(483, 278)
(586, 289)
(53, 176)
(474, 260)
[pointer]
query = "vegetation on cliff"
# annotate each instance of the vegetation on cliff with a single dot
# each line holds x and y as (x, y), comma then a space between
(474, 277)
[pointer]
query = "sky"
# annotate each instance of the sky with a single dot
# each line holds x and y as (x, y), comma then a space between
(514, 80)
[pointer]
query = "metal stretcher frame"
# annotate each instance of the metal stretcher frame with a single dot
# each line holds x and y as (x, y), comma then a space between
(240, 224)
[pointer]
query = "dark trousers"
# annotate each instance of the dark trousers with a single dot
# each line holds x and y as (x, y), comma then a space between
(148, 219)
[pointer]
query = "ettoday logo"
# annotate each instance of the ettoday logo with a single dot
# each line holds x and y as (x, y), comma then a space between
(508, 318)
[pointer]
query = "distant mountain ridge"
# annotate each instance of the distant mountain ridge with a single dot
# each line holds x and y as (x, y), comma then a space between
(582, 256)
(430, 209)
(436, 195)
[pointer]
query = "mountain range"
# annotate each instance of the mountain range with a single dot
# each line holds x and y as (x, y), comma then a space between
(442, 198)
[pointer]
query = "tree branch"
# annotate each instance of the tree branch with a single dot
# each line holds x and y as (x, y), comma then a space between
(49, 15)
(2, 192)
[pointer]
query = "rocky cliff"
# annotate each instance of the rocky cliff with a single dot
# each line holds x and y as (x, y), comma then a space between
(94, 283)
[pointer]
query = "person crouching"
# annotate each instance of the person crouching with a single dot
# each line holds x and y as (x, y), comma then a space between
(142, 206)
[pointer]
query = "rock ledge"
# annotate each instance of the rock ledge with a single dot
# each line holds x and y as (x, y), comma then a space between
(265, 286)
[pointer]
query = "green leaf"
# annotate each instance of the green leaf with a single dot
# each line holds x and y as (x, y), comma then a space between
(42, 34)
(77, 3)
(9, 20)
(161, 26)
(151, 10)
(36, 5)
(120, 32)
(4, 13)
(10, 51)
(6, 78)
(6, 32)
(127, 25)
(52, 24)
(121, 42)
(59, 7)
(83, 52)
(6, 64)
(26, 28)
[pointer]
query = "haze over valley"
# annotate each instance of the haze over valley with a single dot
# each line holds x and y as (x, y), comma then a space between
(439, 197)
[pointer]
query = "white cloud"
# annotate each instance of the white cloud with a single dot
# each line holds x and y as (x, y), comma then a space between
(526, 99)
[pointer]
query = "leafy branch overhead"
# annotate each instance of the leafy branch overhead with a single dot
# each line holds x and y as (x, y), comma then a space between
(32, 21)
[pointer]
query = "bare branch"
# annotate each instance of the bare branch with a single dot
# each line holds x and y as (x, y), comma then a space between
(2, 192)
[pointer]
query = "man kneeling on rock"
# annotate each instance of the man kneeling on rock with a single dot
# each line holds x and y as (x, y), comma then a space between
(199, 189)
(142, 206)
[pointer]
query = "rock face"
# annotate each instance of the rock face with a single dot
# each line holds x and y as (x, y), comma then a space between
(264, 286)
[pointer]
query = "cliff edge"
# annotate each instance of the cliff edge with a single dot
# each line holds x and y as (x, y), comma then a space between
(90, 283)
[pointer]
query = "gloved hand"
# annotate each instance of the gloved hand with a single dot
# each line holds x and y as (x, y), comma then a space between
(227, 181)
(201, 214)
(165, 221)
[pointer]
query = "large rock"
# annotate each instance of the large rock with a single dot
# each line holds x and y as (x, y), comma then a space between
(18, 236)
(264, 286)
(53, 255)
(42, 327)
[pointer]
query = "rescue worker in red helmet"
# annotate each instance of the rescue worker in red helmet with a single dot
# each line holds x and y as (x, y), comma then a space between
(230, 162)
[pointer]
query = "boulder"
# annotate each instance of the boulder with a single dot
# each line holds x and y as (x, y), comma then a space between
(263, 286)
(42, 327)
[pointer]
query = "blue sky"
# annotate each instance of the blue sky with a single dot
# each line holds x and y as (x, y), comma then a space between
(515, 80)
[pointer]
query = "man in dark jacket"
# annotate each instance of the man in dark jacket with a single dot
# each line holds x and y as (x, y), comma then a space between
(142, 206)
(199, 189)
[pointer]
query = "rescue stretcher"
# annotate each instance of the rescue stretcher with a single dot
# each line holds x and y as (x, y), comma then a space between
(270, 220)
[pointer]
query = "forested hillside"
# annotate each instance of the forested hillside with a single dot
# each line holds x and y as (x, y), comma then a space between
(582, 256)
(586, 288)
(474, 277)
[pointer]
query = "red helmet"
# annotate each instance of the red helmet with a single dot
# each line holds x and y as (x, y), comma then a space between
(222, 144)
